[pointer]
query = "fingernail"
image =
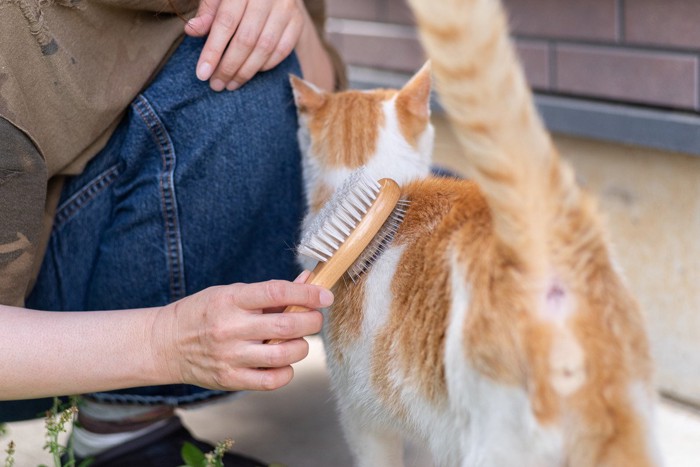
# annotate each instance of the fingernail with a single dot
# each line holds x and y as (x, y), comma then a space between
(217, 85)
(232, 86)
(326, 297)
(204, 71)
(301, 278)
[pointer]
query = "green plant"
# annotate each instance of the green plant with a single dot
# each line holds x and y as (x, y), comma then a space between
(10, 459)
(194, 457)
(10, 451)
(58, 419)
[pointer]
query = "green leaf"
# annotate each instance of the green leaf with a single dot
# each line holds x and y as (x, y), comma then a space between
(87, 462)
(192, 455)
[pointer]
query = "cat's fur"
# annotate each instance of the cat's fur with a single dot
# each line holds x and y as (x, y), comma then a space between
(495, 327)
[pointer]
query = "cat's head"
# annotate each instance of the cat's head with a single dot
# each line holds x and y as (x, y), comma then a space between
(388, 132)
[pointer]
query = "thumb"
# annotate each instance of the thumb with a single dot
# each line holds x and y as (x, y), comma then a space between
(200, 25)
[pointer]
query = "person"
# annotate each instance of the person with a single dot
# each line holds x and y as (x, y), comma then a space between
(156, 175)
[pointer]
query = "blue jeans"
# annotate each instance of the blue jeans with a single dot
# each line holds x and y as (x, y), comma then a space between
(195, 188)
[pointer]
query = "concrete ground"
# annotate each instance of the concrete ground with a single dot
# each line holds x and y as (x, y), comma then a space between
(296, 426)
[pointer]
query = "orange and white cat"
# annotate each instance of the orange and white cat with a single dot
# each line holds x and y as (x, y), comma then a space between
(494, 327)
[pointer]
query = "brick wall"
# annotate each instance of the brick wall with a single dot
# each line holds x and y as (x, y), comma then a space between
(633, 51)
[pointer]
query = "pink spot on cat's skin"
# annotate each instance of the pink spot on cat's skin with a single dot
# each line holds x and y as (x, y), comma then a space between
(557, 303)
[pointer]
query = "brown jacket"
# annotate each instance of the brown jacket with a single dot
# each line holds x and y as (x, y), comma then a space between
(68, 71)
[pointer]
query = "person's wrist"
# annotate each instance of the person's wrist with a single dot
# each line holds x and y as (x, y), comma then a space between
(164, 351)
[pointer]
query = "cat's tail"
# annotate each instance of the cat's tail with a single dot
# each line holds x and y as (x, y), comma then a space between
(483, 89)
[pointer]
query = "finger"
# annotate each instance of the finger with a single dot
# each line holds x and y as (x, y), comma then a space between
(266, 379)
(286, 44)
(281, 293)
(286, 326)
(264, 47)
(201, 23)
(223, 27)
(242, 44)
(258, 355)
(302, 278)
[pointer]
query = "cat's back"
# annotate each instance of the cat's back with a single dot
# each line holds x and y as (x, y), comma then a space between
(401, 305)
(386, 334)
(441, 208)
(445, 217)
(448, 221)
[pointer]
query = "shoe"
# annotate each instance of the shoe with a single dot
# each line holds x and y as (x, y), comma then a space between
(161, 448)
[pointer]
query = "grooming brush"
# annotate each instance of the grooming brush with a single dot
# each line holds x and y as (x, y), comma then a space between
(351, 230)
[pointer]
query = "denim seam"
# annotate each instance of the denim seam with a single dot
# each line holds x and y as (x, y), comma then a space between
(72, 205)
(173, 241)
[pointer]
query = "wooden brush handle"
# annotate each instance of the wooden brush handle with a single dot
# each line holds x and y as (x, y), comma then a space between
(326, 274)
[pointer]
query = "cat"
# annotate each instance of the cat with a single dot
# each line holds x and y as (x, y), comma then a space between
(495, 327)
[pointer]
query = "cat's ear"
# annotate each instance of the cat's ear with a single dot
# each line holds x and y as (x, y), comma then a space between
(307, 97)
(414, 97)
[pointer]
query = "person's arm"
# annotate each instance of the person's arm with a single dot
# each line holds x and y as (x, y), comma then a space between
(211, 339)
(314, 58)
(248, 36)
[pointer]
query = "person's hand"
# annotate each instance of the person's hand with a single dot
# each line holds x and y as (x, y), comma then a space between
(245, 36)
(215, 338)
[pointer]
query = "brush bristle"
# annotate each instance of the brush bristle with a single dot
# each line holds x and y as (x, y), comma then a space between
(380, 242)
(339, 216)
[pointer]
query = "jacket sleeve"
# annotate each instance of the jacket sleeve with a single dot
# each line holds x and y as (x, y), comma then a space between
(22, 199)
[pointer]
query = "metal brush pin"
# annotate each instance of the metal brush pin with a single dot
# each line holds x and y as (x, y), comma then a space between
(351, 230)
